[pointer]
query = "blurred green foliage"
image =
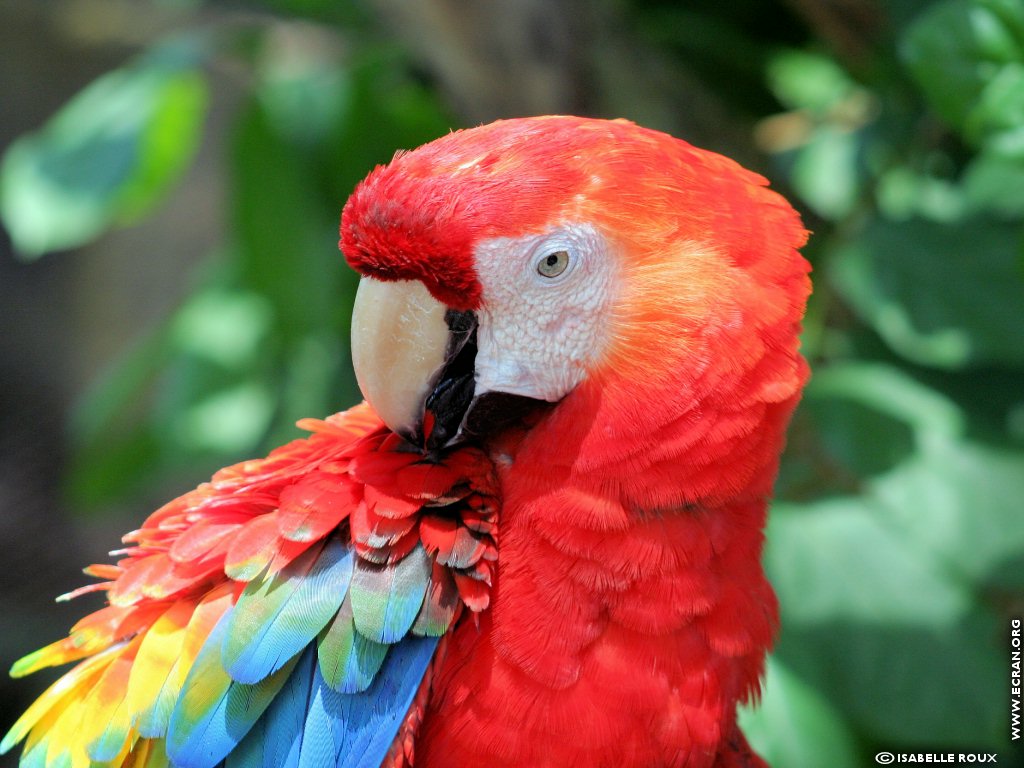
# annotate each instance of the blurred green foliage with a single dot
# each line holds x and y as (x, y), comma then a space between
(108, 156)
(897, 541)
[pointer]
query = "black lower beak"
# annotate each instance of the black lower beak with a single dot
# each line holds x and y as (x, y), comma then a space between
(452, 410)
(452, 393)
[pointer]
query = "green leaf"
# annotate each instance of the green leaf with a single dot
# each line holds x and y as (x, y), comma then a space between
(882, 625)
(387, 110)
(825, 172)
(958, 50)
(908, 684)
(882, 592)
(994, 183)
(888, 390)
(805, 80)
(287, 238)
(795, 725)
(945, 295)
(107, 156)
(861, 439)
(350, 15)
(961, 502)
(304, 91)
(229, 421)
(225, 327)
(955, 500)
(837, 561)
(903, 193)
(998, 117)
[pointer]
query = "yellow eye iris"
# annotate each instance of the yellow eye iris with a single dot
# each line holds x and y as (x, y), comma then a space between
(553, 264)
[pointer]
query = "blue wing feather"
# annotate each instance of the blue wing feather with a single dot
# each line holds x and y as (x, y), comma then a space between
(250, 753)
(277, 617)
(214, 712)
(312, 725)
(288, 715)
(275, 739)
(320, 733)
(358, 729)
(372, 719)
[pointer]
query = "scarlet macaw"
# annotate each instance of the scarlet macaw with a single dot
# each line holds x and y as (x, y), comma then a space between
(538, 544)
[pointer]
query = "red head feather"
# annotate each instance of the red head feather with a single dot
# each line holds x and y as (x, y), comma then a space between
(419, 217)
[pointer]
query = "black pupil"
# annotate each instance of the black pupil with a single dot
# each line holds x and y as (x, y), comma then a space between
(552, 259)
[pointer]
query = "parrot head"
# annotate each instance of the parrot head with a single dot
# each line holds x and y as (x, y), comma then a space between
(537, 260)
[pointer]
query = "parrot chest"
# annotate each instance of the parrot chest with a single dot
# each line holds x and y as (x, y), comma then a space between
(600, 648)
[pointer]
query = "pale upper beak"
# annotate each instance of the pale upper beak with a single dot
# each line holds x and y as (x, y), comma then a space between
(413, 359)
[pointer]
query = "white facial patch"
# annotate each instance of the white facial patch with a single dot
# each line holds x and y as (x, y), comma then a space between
(543, 317)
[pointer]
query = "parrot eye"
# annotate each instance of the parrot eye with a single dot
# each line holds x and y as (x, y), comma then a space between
(553, 264)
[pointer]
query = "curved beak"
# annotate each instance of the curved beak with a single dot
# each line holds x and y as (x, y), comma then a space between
(413, 359)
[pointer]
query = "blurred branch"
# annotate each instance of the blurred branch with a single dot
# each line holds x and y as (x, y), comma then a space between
(498, 59)
(851, 28)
